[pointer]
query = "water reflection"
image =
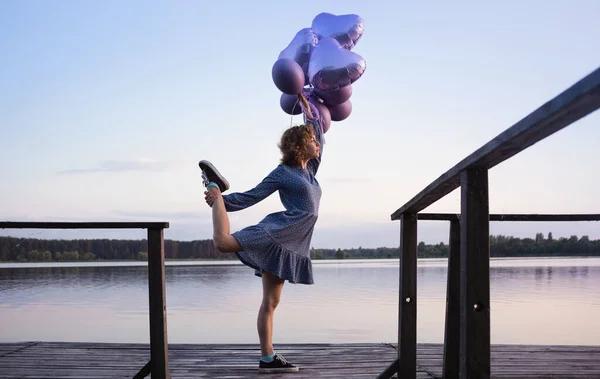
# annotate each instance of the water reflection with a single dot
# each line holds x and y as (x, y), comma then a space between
(533, 301)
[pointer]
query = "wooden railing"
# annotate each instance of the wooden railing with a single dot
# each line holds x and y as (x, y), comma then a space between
(158, 366)
(469, 296)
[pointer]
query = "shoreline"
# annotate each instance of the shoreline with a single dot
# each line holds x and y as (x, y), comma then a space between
(232, 262)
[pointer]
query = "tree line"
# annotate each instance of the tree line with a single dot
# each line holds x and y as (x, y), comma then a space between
(40, 250)
(500, 246)
(56, 250)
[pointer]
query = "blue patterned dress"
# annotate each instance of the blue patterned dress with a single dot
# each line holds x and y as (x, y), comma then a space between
(280, 243)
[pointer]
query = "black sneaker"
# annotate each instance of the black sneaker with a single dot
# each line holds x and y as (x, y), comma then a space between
(278, 365)
(211, 174)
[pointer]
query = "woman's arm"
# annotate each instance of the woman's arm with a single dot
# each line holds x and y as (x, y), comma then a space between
(312, 116)
(242, 200)
(313, 164)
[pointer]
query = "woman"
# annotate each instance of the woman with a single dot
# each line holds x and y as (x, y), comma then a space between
(278, 248)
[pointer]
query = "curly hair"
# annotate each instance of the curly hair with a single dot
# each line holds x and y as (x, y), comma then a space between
(293, 144)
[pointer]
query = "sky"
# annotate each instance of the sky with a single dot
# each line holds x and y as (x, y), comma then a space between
(106, 107)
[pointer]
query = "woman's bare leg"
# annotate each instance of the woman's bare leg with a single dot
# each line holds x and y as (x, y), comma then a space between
(272, 286)
(222, 238)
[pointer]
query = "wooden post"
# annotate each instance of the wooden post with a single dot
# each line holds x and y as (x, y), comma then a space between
(159, 360)
(452, 326)
(407, 312)
(474, 275)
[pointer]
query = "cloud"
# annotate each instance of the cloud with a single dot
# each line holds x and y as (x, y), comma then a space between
(124, 166)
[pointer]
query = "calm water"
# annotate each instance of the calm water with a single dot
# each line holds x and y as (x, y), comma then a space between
(534, 301)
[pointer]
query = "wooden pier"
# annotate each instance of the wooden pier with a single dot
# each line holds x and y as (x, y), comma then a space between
(467, 349)
(157, 363)
(41, 360)
(466, 352)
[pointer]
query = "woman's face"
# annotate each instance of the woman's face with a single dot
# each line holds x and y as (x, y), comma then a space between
(312, 148)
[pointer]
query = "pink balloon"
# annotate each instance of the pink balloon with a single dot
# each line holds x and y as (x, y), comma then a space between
(340, 112)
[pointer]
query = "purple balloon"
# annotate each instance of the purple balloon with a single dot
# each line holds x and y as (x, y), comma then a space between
(300, 49)
(333, 67)
(324, 114)
(335, 97)
(288, 76)
(290, 104)
(346, 29)
(340, 112)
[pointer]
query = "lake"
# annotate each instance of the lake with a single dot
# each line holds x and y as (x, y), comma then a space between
(533, 301)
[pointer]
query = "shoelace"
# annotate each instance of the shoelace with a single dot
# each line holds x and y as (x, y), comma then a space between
(205, 180)
(282, 360)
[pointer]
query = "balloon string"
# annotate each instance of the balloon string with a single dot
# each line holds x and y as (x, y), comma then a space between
(297, 103)
(305, 107)
(307, 111)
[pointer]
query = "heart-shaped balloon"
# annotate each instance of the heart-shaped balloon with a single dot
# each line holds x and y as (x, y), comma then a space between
(346, 29)
(300, 49)
(332, 67)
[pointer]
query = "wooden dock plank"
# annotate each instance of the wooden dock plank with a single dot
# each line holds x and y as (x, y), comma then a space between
(42, 360)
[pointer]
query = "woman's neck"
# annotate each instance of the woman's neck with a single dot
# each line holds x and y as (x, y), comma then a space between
(301, 165)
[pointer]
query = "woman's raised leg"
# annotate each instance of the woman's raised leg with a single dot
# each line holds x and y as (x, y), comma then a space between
(222, 238)
(215, 184)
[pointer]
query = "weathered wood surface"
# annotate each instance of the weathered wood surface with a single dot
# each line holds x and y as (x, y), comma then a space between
(576, 102)
(407, 302)
(474, 279)
(451, 363)
(43, 360)
(83, 225)
(157, 304)
(514, 217)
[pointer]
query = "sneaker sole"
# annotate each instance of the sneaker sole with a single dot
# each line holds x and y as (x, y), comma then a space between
(277, 370)
(206, 164)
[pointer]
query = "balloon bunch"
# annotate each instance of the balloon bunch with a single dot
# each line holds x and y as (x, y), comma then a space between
(318, 63)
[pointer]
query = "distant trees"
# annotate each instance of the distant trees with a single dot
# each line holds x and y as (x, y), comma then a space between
(35, 250)
(500, 246)
(503, 246)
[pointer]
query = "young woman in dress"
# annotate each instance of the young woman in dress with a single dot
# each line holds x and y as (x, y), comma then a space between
(278, 247)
